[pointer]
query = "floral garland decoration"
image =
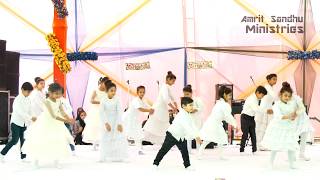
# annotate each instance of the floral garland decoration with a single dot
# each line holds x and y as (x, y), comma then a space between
(60, 57)
(138, 66)
(60, 8)
(303, 55)
(82, 56)
(200, 65)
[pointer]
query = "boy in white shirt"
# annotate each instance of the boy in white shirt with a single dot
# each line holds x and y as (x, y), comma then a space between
(21, 117)
(178, 132)
(248, 124)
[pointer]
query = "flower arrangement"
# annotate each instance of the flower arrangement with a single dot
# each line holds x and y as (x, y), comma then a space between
(60, 8)
(82, 56)
(60, 57)
(138, 66)
(200, 65)
(303, 55)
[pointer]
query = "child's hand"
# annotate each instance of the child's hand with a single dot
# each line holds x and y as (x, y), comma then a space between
(269, 111)
(120, 128)
(198, 140)
(108, 127)
(71, 121)
(33, 119)
(237, 130)
(293, 116)
(151, 111)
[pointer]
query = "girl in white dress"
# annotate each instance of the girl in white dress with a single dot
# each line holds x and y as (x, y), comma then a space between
(304, 126)
(113, 144)
(281, 134)
(132, 120)
(263, 119)
(158, 123)
(38, 97)
(48, 139)
(91, 134)
(212, 130)
(197, 111)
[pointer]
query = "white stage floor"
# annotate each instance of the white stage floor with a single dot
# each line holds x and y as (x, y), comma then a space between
(85, 165)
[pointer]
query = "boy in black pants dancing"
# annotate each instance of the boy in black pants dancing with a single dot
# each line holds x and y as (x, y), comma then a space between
(21, 117)
(248, 124)
(181, 129)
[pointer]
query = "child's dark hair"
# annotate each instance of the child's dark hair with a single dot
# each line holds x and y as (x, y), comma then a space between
(286, 88)
(185, 101)
(27, 86)
(37, 80)
(170, 76)
(106, 82)
(103, 79)
(262, 90)
(187, 88)
(224, 90)
(270, 76)
(140, 87)
(54, 87)
(110, 85)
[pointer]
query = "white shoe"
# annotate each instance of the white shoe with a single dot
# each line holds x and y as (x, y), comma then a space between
(1, 158)
(303, 157)
(74, 153)
(190, 168)
(243, 154)
(141, 152)
(293, 166)
(24, 160)
(223, 158)
(155, 167)
(95, 147)
(57, 165)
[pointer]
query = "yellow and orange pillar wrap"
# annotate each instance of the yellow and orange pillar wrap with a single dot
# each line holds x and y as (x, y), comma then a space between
(60, 28)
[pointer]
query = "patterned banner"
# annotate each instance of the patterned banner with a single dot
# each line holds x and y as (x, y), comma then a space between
(200, 65)
(138, 66)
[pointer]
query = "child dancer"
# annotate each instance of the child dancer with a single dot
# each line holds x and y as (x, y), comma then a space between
(158, 123)
(131, 118)
(197, 110)
(38, 97)
(20, 119)
(212, 130)
(263, 119)
(49, 139)
(113, 144)
(80, 127)
(91, 133)
(281, 134)
(248, 124)
(304, 126)
(181, 129)
(68, 110)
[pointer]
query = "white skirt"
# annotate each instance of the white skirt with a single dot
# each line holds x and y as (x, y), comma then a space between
(92, 131)
(213, 131)
(48, 140)
(133, 127)
(113, 146)
(281, 135)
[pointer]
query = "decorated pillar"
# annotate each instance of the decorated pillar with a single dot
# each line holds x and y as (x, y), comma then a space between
(60, 30)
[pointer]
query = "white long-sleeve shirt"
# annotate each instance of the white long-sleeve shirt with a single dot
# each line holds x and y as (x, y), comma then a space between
(269, 99)
(22, 113)
(251, 106)
(183, 126)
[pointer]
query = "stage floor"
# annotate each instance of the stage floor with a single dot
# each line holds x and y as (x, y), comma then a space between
(85, 165)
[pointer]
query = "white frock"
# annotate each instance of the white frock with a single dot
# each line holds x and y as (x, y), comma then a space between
(197, 116)
(37, 98)
(92, 132)
(303, 122)
(48, 138)
(281, 135)
(158, 123)
(114, 145)
(212, 130)
(131, 118)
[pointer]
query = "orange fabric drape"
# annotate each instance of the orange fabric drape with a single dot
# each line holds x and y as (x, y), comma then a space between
(60, 30)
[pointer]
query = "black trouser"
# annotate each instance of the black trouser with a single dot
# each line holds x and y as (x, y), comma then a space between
(78, 140)
(17, 133)
(168, 143)
(248, 126)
